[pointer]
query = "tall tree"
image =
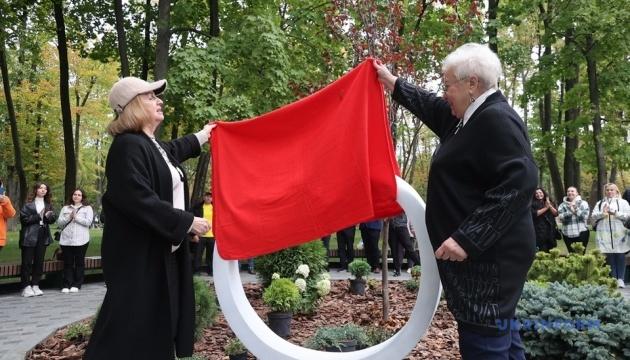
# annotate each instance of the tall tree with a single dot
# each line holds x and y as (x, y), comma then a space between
(571, 143)
(492, 27)
(163, 39)
(148, 11)
(593, 91)
(17, 150)
(122, 38)
(64, 95)
(545, 117)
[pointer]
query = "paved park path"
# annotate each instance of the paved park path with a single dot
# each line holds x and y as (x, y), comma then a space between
(25, 322)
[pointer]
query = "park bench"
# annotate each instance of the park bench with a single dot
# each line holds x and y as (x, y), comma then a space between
(50, 266)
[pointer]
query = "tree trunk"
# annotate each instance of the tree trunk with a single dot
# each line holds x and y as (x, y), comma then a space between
(162, 46)
(571, 164)
(144, 72)
(122, 38)
(37, 147)
(203, 162)
(593, 90)
(384, 272)
(545, 119)
(214, 17)
(199, 185)
(163, 39)
(17, 149)
(493, 6)
(64, 94)
(77, 124)
(613, 174)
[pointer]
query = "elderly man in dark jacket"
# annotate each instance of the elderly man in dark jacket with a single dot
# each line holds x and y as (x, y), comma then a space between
(478, 198)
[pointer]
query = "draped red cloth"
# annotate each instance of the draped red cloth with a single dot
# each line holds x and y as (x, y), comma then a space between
(305, 170)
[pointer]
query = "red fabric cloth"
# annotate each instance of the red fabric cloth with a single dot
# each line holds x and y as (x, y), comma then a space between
(305, 170)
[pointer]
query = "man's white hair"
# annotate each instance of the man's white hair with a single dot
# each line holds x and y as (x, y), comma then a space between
(474, 59)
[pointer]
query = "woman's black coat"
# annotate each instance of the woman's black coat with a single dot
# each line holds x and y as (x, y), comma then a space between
(29, 218)
(545, 227)
(135, 320)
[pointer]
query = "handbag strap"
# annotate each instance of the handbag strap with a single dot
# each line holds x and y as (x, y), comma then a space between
(68, 223)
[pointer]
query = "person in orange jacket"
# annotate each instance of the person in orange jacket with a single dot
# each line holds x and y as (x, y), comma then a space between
(6, 211)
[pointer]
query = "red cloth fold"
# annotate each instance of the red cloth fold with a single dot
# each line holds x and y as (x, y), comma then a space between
(305, 170)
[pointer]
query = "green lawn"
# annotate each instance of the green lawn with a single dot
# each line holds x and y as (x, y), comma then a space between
(11, 252)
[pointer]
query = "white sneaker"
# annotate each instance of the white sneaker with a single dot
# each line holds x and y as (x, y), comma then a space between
(37, 290)
(65, 290)
(620, 283)
(28, 292)
(74, 289)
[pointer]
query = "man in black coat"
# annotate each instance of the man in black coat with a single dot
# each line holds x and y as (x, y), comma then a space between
(478, 199)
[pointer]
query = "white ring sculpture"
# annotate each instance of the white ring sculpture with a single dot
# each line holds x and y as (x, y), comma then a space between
(265, 344)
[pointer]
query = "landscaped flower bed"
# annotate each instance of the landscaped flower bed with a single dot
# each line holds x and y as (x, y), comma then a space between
(336, 308)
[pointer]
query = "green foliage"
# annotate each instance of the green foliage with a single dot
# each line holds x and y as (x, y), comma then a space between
(583, 322)
(285, 262)
(359, 268)
(412, 285)
(206, 308)
(235, 347)
(333, 337)
(282, 295)
(376, 335)
(416, 271)
(77, 332)
(575, 269)
(194, 357)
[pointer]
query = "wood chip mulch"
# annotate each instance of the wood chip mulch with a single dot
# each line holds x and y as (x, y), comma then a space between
(339, 307)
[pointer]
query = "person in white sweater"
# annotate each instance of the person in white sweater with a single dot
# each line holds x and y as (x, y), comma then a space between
(609, 215)
(75, 220)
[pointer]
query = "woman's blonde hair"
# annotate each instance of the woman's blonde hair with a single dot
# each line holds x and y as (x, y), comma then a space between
(611, 185)
(131, 119)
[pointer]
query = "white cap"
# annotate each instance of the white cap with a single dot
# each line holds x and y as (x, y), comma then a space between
(125, 89)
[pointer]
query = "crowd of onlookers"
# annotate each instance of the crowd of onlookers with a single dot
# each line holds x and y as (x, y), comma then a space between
(573, 220)
(570, 221)
(73, 224)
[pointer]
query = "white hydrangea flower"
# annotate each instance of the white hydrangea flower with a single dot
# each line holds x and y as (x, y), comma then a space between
(303, 270)
(275, 276)
(323, 287)
(301, 284)
(324, 276)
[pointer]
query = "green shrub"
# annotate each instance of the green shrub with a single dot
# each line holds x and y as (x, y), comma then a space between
(77, 332)
(206, 308)
(575, 269)
(286, 262)
(415, 272)
(282, 295)
(584, 322)
(328, 337)
(194, 357)
(412, 285)
(376, 335)
(234, 347)
(359, 268)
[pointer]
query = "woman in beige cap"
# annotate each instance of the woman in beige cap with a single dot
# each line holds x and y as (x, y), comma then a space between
(148, 311)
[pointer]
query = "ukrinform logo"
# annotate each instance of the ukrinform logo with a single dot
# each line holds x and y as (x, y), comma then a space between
(536, 324)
